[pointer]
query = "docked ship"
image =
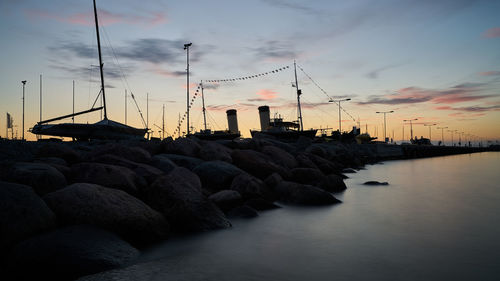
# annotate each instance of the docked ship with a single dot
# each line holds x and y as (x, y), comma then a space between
(277, 127)
(104, 129)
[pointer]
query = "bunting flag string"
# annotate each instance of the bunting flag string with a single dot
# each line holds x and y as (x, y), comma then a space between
(195, 95)
(250, 76)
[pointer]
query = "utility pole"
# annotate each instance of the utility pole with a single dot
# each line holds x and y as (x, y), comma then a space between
(430, 125)
(442, 133)
(24, 84)
(411, 126)
(186, 47)
(340, 119)
(385, 128)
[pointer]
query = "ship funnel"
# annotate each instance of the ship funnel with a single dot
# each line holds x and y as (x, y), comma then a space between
(264, 117)
(232, 121)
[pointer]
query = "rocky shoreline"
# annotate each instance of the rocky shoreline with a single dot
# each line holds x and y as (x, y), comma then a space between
(78, 208)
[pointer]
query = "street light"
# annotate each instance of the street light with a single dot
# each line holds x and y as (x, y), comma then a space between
(430, 125)
(452, 142)
(186, 47)
(24, 83)
(385, 112)
(340, 120)
(411, 126)
(442, 133)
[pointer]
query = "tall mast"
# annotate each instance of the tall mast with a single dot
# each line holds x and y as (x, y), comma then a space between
(125, 106)
(73, 118)
(204, 110)
(299, 92)
(100, 61)
(163, 124)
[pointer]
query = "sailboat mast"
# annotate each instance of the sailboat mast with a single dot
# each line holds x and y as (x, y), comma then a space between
(299, 92)
(204, 110)
(100, 61)
(163, 124)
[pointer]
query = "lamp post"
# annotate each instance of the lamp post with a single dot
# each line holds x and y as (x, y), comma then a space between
(430, 125)
(411, 126)
(385, 127)
(452, 142)
(442, 133)
(186, 47)
(340, 120)
(24, 84)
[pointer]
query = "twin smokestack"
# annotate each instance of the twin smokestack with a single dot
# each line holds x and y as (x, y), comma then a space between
(232, 121)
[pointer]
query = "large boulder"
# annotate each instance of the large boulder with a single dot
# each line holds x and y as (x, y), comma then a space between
(260, 204)
(257, 163)
(67, 253)
(107, 175)
(182, 146)
(60, 150)
(244, 211)
(280, 156)
(183, 161)
(22, 214)
(226, 199)
(178, 196)
(132, 153)
(217, 175)
(163, 163)
(332, 183)
(211, 150)
(307, 175)
(146, 171)
(108, 208)
(302, 194)
(326, 166)
(42, 177)
(251, 187)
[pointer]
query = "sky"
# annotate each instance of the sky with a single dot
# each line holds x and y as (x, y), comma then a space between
(435, 61)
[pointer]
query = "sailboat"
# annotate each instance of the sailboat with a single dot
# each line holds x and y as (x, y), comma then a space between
(104, 129)
(276, 127)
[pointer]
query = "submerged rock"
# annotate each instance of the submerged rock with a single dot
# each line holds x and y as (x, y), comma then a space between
(376, 183)
(296, 193)
(108, 208)
(68, 253)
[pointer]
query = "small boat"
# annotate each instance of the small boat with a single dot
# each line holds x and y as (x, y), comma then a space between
(104, 129)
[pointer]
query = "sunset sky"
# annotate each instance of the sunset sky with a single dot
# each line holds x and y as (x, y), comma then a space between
(437, 61)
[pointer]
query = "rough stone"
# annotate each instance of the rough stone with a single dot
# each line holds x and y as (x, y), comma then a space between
(280, 156)
(296, 193)
(226, 199)
(257, 163)
(251, 187)
(183, 161)
(217, 175)
(42, 177)
(182, 146)
(211, 151)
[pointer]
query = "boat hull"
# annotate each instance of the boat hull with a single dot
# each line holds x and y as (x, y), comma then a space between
(287, 135)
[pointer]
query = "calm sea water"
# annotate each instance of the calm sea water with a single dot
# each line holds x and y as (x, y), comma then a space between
(439, 219)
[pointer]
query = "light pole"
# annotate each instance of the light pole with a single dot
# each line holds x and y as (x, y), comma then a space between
(24, 83)
(385, 112)
(186, 47)
(452, 142)
(340, 120)
(430, 125)
(442, 133)
(411, 126)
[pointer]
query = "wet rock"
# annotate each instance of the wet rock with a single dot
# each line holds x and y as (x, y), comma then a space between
(163, 163)
(307, 175)
(243, 212)
(348, 170)
(260, 204)
(376, 183)
(251, 187)
(272, 180)
(217, 175)
(67, 253)
(296, 193)
(332, 183)
(108, 208)
(211, 151)
(183, 161)
(305, 161)
(59, 150)
(326, 166)
(280, 156)
(22, 214)
(178, 196)
(226, 199)
(182, 146)
(42, 177)
(257, 163)
(112, 176)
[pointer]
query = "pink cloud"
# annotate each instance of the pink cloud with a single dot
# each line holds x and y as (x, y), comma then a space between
(105, 18)
(493, 32)
(265, 94)
(490, 73)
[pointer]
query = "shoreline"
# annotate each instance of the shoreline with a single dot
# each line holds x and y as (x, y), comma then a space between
(99, 203)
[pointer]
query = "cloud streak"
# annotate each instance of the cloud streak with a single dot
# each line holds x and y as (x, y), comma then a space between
(493, 32)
